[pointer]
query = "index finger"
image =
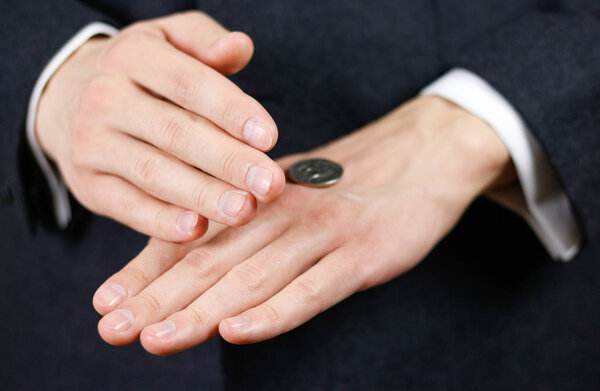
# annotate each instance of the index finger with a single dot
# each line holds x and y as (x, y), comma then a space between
(158, 66)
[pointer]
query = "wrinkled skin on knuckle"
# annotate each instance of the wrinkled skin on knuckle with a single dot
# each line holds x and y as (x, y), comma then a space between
(185, 89)
(273, 317)
(149, 301)
(309, 292)
(146, 170)
(231, 111)
(202, 263)
(176, 133)
(232, 168)
(249, 277)
(200, 195)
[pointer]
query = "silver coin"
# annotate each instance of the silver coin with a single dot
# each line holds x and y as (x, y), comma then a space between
(316, 172)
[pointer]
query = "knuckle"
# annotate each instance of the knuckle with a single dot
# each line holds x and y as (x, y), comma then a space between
(272, 314)
(230, 165)
(249, 277)
(185, 89)
(114, 57)
(308, 291)
(149, 301)
(201, 195)
(195, 316)
(203, 264)
(176, 133)
(97, 96)
(161, 227)
(145, 170)
(138, 277)
(228, 112)
(116, 53)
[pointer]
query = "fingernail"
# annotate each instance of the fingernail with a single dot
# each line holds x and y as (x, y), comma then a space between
(222, 38)
(110, 295)
(256, 134)
(119, 320)
(187, 222)
(238, 322)
(161, 330)
(232, 202)
(259, 180)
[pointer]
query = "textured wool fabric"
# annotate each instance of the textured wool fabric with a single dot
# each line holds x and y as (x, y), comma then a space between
(487, 309)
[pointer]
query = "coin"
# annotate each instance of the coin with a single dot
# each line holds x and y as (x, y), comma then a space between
(316, 172)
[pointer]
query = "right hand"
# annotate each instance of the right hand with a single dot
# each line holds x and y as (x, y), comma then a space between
(146, 129)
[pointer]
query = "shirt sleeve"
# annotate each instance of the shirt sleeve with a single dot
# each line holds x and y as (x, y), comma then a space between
(58, 190)
(538, 197)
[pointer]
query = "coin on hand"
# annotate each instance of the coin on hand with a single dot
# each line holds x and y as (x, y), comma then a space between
(316, 172)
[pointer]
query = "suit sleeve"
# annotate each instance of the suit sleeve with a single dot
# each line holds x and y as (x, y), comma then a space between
(547, 64)
(31, 33)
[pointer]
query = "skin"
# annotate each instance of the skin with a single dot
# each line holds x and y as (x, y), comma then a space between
(408, 179)
(146, 129)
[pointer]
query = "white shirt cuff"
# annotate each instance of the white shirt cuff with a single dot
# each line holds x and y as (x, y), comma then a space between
(540, 199)
(58, 190)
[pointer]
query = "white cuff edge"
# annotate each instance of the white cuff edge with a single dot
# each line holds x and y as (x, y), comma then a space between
(546, 207)
(58, 189)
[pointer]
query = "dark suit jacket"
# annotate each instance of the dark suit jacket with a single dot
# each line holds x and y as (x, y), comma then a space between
(486, 310)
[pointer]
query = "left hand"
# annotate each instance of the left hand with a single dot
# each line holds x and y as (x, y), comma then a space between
(408, 178)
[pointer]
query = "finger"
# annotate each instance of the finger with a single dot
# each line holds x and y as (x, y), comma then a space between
(170, 73)
(150, 263)
(185, 281)
(156, 258)
(331, 280)
(175, 182)
(200, 36)
(244, 286)
(199, 143)
(116, 198)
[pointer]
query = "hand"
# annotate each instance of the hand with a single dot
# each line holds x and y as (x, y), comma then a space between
(408, 178)
(146, 129)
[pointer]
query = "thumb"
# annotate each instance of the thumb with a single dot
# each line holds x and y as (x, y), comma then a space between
(201, 37)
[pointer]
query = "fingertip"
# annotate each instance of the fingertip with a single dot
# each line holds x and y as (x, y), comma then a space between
(199, 230)
(230, 53)
(236, 208)
(108, 296)
(189, 226)
(240, 330)
(247, 213)
(277, 184)
(228, 333)
(155, 343)
(116, 326)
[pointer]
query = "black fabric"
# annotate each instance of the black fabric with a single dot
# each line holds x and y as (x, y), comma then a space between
(486, 310)
(561, 96)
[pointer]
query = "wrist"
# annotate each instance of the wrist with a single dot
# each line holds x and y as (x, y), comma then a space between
(466, 153)
(60, 95)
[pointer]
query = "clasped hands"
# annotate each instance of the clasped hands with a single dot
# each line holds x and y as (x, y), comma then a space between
(167, 138)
